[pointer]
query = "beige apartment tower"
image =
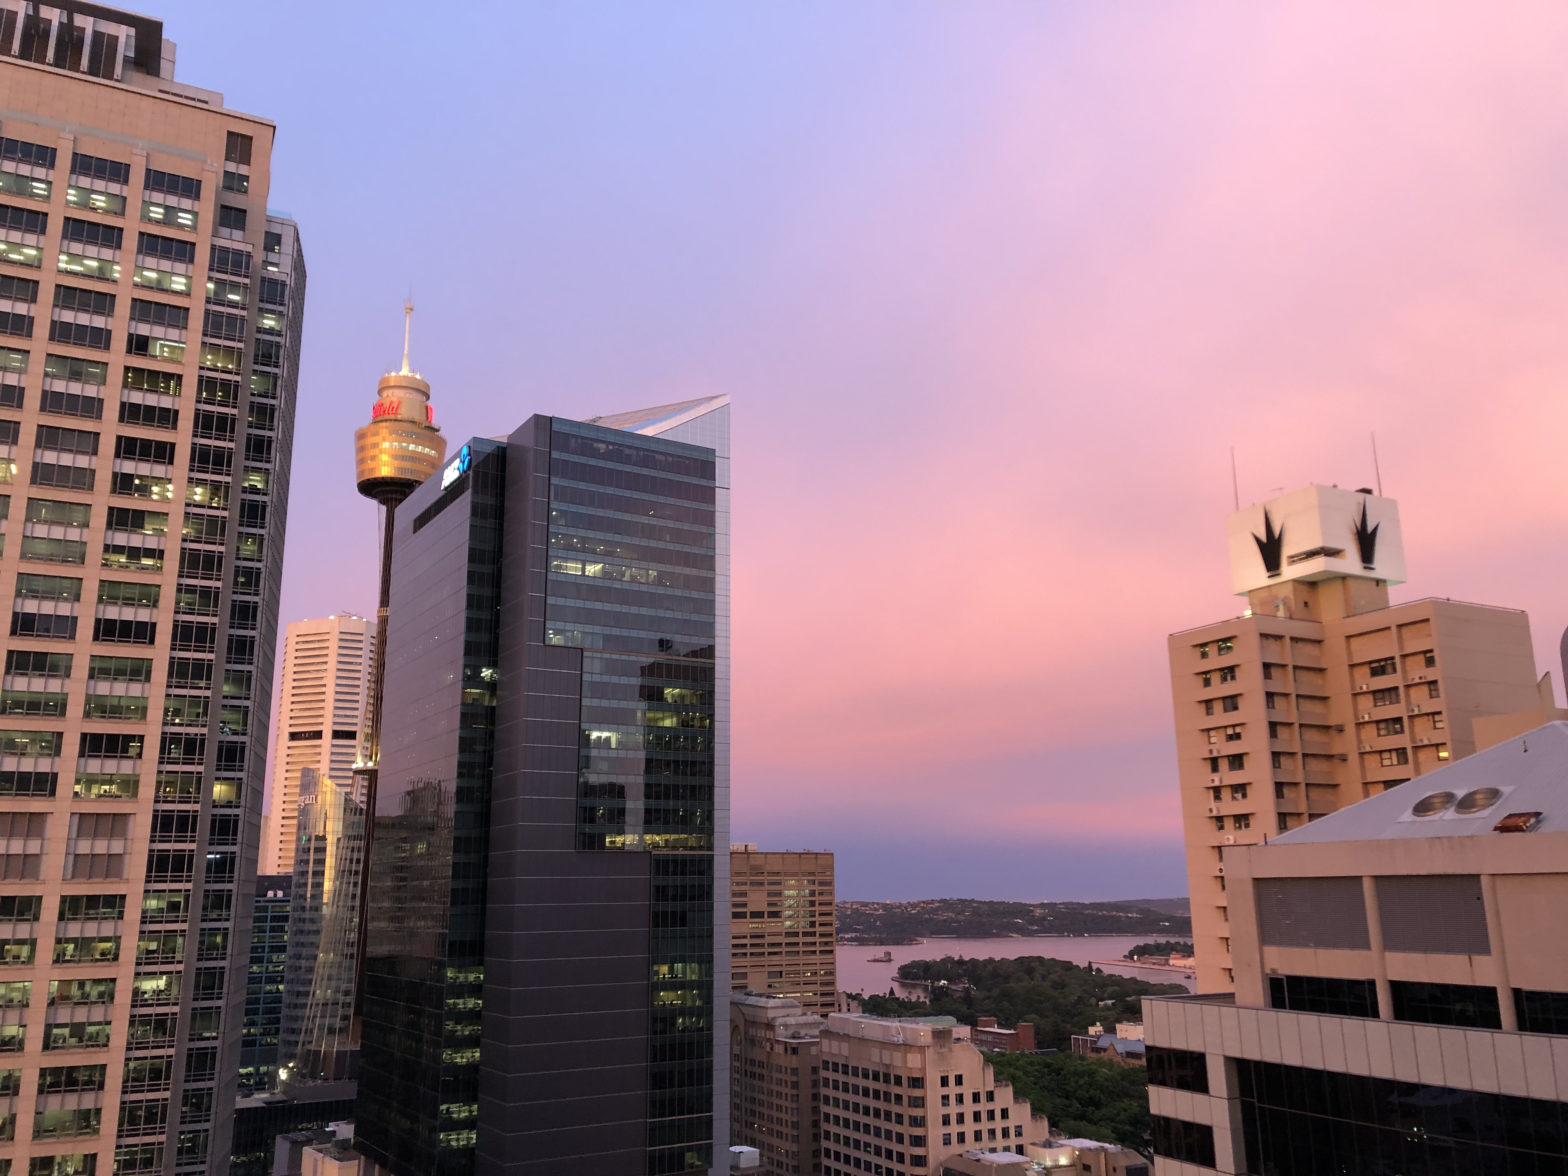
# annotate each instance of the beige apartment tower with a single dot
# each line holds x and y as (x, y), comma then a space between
(903, 1094)
(326, 673)
(150, 316)
(775, 1083)
(782, 936)
(1322, 693)
(1401, 992)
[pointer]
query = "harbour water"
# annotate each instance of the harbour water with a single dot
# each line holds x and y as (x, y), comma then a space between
(858, 972)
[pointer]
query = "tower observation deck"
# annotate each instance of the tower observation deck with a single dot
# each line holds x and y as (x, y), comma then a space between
(401, 446)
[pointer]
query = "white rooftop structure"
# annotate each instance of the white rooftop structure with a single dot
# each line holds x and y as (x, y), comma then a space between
(659, 420)
(1315, 533)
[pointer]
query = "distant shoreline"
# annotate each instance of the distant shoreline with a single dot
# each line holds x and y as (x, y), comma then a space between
(964, 918)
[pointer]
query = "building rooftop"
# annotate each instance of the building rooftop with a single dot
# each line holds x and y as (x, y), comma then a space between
(1120, 1044)
(898, 1030)
(642, 419)
(1088, 1145)
(1467, 798)
(984, 1163)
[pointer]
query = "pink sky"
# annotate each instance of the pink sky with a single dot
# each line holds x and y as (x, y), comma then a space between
(994, 288)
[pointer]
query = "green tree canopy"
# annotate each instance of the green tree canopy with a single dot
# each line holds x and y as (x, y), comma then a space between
(1057, 997)
(1085, 1097)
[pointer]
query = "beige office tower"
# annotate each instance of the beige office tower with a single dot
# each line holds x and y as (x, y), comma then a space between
(326, 672)
(150, 313)
(1322, 693)
(1401, 999)
(903, 1094)
(775, 1083)
(782, 926)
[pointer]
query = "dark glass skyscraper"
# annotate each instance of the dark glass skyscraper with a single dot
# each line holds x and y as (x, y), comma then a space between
(269, 944)
(540, 985)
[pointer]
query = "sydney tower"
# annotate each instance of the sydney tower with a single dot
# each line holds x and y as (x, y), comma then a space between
(393, 454)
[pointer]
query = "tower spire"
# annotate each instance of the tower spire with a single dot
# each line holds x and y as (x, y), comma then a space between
(408, 318)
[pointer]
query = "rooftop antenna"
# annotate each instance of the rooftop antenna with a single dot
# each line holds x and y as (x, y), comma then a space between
(408, 317)
(1235, 485)
(1377, 472)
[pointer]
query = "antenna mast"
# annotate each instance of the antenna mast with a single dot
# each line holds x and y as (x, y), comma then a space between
(1235, 485)
(408, 318)
(1376, 470)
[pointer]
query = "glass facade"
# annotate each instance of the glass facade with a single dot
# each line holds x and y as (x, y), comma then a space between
(323, 944)
(1302, 1122)
(631, 583)
(1469, 1005)
(1541, 1012)
(417, 1107)
(543, 875)
(259, 1121)
(1180, 1069)
(1177, 1139)
(269, 946)
(1324, 994)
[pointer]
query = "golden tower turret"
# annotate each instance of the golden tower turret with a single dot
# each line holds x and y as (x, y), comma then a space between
(401, 446)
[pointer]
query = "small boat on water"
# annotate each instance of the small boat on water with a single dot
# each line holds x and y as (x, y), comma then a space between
(885, 958)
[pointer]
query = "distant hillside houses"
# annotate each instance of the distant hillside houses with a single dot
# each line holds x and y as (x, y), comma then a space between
(965, 918)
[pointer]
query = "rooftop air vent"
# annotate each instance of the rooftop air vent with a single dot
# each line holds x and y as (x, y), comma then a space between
(1517, 823)
(1477, 800)
(1432, 804)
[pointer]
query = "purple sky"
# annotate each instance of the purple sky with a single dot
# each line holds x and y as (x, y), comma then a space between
(994, 288)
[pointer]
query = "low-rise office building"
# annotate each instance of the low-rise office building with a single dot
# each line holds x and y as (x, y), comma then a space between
(775, 1084)
(903, 1095)
(782, 938)
(994, 1038)
(1401, 1000)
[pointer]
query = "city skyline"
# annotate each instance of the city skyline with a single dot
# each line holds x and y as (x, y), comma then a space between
(1131, 235)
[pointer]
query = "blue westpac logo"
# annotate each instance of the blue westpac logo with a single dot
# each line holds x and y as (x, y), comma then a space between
(465, 458)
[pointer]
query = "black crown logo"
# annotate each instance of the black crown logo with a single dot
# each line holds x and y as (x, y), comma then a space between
(1366, 539)
(1271, 545)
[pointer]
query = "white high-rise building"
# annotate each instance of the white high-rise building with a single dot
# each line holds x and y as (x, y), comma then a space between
(326, 671)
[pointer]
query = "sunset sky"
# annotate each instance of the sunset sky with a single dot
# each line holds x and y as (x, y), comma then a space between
(995, 287)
